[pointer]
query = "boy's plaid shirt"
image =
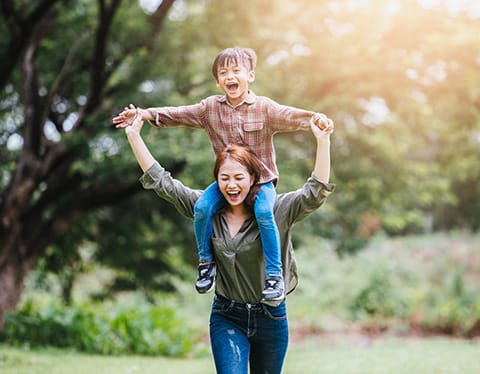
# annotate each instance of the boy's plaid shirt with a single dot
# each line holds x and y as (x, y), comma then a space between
(252, 123)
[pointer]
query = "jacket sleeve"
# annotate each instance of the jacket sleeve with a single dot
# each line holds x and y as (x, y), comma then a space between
(156, 178)
(294, 206)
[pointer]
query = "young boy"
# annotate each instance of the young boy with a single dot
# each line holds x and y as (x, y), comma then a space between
(237, 117)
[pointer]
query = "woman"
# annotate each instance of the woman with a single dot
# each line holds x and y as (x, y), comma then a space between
(244, 330)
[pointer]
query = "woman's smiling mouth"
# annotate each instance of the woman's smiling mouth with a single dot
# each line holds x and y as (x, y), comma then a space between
(233, 195)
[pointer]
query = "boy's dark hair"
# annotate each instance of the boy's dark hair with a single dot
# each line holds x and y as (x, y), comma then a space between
(237, 56)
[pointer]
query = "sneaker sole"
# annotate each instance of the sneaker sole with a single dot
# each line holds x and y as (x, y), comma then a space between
(207, 291)
(273, 298)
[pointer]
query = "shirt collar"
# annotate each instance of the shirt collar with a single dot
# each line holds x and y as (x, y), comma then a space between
(250, 99)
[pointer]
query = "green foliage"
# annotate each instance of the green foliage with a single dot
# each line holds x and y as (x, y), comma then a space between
(378, 298)
(142, 330)
(456, 310)
(151, 249)
(426, 283)
(401, 84)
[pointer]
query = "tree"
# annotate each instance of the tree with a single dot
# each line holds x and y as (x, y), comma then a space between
(56, 74)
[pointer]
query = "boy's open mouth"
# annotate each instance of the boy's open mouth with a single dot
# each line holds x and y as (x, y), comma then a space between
(232, 87)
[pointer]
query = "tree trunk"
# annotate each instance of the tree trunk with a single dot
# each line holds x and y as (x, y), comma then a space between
(13, 272)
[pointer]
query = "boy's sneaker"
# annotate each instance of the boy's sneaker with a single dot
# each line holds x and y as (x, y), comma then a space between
(274, 288)
(206, 277)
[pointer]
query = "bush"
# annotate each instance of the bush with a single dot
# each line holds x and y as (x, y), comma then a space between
(145, 329)
(378, 298)
(425, 283)
(453, 309)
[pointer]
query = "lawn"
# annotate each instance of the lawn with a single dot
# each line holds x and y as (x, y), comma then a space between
(315, 354)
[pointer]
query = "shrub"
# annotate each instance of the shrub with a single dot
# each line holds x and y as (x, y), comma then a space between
(425, 283)
(452, 309)
(378, 298)
(145, 330)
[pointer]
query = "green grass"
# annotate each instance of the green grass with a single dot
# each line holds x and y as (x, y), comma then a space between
(390, 356)
(327, 354)
(56, 361)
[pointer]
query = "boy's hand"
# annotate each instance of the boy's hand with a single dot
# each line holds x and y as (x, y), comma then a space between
(126, 117)
(322, 122)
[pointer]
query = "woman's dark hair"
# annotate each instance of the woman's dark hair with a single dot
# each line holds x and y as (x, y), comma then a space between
(248, 159)
(236, 56)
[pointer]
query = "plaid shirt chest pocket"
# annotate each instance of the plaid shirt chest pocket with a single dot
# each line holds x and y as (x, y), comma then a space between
(253, 133)
(252, 126)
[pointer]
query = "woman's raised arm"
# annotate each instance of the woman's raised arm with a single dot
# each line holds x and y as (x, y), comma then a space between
(139, 148)
(322, 159)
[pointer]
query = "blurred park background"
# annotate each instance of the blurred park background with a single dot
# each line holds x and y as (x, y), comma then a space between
(90, 261)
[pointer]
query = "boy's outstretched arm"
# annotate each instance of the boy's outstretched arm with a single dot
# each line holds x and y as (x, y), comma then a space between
(191, 116)
(126, 117)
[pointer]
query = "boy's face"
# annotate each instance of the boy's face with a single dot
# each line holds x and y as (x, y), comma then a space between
(234, 79)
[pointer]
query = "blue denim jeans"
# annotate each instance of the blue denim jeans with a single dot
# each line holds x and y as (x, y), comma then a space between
(246, 336)
(212, 200)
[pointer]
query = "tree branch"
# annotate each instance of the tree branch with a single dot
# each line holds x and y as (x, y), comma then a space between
(79, 203)
(21, 30)
(158, 17)
(11, 17)
(64, 74)
(97, 76)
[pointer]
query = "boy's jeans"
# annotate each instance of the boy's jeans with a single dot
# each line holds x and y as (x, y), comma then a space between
(243, 335)
(212, 200)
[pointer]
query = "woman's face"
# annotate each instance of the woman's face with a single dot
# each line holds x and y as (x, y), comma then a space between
(234, 182)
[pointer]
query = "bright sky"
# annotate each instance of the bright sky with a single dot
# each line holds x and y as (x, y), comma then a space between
(472, 7)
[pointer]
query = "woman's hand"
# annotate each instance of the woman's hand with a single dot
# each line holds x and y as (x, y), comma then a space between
(139, 148)
(321, 133)
(136, 125)
(322, 121)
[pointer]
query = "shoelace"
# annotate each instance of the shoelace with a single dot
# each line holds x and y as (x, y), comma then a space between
(203, 272)
(272, 284)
